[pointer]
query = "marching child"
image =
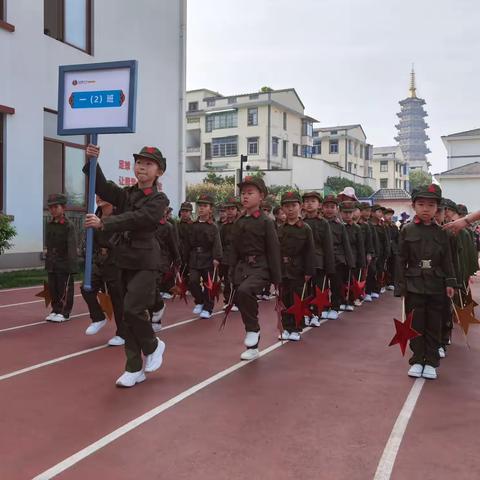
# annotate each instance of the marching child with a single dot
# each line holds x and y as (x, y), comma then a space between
(425, 275)
(323, 243)
(370, 242)
(297, 252)
(61, 258)
(184, 224)
(280, 217)
(255, 259)
(139, 209)
(342, 254)
(105, 278)
(376, 220)
(204, 255)
(393, 233)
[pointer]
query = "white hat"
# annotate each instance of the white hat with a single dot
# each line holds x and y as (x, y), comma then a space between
(349, 192)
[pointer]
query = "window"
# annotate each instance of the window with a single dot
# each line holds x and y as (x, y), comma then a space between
(361, 151)
(350, 167)
(193, 106)
(333, 132)
(275, 146)
(63, 159)
(333, 146)
(317, 148)
(350, 147)
(210, 102)
(284, 151)
(384, 183)
(284, 120)
(307, 128)
(252, 146)
(224, 147)
(295, 149)
(306, 151)
(69, 21)
(208, 151)
(252, 117)
(216, 121)
(355, 149)
(253, 96)
(1, 159)
(232, 100)
(384, 166)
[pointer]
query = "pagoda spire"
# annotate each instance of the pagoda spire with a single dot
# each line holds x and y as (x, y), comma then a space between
(412, 89)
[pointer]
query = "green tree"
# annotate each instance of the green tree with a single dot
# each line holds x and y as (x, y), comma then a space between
(215, 179)
(266, 89)
(418, 177)
(337, 184)
(7, 232)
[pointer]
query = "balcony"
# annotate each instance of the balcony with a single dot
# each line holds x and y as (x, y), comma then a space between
(194, 150)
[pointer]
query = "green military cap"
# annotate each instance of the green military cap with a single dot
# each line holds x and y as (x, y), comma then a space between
(348, 206)
(376, 207)
(364, 206)
(186, 206)
(232, 202)
(330, 199)
(152, 153)
(389, 210)
(56, 199)
(312, 194)
(427, 191)
(447, 203)
(462, 209)
(291, 197)
(256, 182)
(206, 199)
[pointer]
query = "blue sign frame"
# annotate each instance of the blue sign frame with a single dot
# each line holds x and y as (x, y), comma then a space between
(132, 100)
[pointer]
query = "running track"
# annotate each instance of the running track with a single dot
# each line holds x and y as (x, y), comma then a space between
(337, 405)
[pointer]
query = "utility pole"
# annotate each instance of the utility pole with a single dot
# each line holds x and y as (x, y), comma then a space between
(243, 159)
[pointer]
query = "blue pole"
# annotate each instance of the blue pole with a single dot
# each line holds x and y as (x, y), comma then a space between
(87, 278)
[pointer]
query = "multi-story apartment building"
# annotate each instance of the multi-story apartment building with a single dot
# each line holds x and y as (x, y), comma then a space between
(345, 146)
(390, 167)
(269, 126)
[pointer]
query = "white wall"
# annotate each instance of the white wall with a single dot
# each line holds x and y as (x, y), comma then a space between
(466, 150)
(150, 31)
(462, 190)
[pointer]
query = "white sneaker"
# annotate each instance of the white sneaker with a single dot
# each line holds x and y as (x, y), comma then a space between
(358, 302)
(198, 309)
(284, 335)
(154, 360)
(391, 287)
(129, 379)
(50, 317)
(251, 339)
(442, 353)
(383, 290)
(95, 327)
(375, 295)
(343, 308)
(167, 296)
(157, 316)
(325, 314)
(416, 370)
(234, 309)
(58, 318)
(294, 337)
(315, 321)
(116, 341)
(205, 314)
(349, 308)
(367, 298)
(429, 372)
(306, 319)
(332, 315)
(250, 354)
(156, 327)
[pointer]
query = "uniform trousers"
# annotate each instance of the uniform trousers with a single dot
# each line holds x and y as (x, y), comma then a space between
(60, 286)
(201, 294)
(288, 288)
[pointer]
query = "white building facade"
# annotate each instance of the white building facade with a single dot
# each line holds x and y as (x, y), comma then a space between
(34, 160)
(462, 148)
(390, 168)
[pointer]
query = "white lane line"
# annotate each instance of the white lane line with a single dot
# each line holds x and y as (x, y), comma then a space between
(30, 302)
(4, 290)
(84, 352)
(387, 461)
(136, 422)
(18, 327)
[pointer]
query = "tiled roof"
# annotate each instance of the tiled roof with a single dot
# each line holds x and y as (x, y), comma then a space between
(467, 133)
(390, 194)
(468, 169)
(339, 127)
(380, 150)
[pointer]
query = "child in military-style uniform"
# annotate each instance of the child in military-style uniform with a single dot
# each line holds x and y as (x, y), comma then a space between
(139, 209)
(204, 255)
(280, 217)
(342, 253)
(393, 233)
(297, 253)
(169, 262)
(255, 259)
(370, 239)
(357, 245)
(425, 275)
(323, 242)
(383, 252)
(231, 209)
(61, 258)
(105, 278)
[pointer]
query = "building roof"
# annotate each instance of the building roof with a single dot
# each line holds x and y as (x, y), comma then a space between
(381, 150)
(467, 170)
(390, 194)
(466, 133)
(341, 127)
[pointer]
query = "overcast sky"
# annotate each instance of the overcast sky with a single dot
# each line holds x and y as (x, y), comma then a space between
(349, 60)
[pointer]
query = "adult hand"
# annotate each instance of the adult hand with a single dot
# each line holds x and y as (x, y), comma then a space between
(216, 263)
(93, 150)
(450, 292)
(92, 221)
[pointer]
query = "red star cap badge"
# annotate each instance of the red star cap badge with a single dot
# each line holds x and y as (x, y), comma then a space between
(432, 188)
(150, 149)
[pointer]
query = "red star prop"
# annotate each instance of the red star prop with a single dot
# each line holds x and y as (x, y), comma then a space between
(358, 288)
(405, 333)
(167, 276)
(213, 287)
(45, 294)
(321, 299)
(105, 304)
(299, 309)
(180, 288)
(466, 317)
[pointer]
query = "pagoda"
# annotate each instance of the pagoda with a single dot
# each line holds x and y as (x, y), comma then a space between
(411, 129)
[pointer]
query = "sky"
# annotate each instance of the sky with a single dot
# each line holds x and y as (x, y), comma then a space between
(349, 60)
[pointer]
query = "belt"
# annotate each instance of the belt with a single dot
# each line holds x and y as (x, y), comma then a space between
(251, 259)
(199, 249)
(286, 260)
(425, 264)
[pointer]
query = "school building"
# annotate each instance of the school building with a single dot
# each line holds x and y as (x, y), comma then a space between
(35, 38)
